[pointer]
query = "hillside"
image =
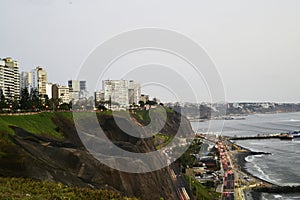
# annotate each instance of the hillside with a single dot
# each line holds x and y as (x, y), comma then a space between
(24, 188)
(46, 146)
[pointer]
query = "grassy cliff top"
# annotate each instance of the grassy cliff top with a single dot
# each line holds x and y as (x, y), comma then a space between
(37, 123)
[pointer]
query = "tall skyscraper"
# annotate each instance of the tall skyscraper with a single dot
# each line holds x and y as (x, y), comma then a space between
(10, 78)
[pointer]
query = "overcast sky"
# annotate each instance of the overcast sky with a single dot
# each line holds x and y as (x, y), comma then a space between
(254, 44)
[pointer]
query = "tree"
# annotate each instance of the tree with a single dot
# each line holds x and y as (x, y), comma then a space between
(55, 103)
(25, 99)
(35, 102)
(142, 104)
(2, 100)
(64, 106)
(151, 103)
(47, 102)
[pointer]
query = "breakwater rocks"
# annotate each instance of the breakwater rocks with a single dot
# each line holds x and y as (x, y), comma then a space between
(278, 189)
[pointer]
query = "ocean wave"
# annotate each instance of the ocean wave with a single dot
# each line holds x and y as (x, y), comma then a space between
(291, 184)
(293, 120)
(277, 196)
(258, 171)
(258, 156)
(249, 158)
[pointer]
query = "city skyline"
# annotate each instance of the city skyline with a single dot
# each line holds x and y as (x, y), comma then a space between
(253, 44)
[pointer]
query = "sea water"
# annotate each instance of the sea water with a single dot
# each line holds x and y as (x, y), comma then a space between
(281, 167)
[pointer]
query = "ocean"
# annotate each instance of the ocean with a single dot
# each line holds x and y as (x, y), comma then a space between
(281, 167)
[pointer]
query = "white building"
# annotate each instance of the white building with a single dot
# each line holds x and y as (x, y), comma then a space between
(10, 78)
(116, 92)
(49, 90)
(40, 80)
(120, 93)
(35, 80)
(134, 92)
(74, 88)
(78, 89)
(24, 80)
(83, 93)
(99, 96)
(61, 92)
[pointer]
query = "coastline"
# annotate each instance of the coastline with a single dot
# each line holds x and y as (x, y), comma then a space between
(255, 193)
(239, 159)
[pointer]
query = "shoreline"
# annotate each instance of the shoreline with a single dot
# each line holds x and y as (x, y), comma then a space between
(255, 193)
(240, 159)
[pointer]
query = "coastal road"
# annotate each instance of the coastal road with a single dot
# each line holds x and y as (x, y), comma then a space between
(179, 183)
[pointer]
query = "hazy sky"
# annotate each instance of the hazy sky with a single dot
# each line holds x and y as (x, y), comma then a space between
(254, 44)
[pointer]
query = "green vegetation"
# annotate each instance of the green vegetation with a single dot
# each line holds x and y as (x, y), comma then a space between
(39, 123)
(188, 159)
(161, 140)
(201, 191)
(142, 116)
(28, 189)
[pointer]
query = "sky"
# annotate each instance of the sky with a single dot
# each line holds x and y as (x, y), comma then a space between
(254, 44)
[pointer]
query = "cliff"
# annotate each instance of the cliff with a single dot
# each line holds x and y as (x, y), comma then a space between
(55, 153)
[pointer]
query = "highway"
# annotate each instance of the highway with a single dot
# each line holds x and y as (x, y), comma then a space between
(229, 175)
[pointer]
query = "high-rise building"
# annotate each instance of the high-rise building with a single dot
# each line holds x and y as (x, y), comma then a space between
(10, 78)
(82, 85)
(61, 92)
(74, 87)
(39, 76)
(116, 92)
(134, 92)
(49, 90)
(99, 96)
(120, 93)
(83, 93)
(35, 80)
(24, 80)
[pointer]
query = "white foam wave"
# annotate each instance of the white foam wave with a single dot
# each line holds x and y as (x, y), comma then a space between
(258, 156)
(261, 173)
(277, 196)
(291, 184)
(292, 120)
(249, 158)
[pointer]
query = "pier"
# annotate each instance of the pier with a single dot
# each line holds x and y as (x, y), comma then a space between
(282, 136)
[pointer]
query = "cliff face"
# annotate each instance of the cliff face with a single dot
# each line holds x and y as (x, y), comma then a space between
(67, 161)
